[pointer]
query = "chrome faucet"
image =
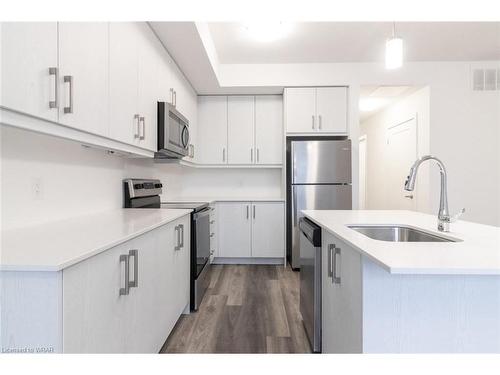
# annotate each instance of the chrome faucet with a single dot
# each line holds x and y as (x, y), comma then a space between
(444, 218)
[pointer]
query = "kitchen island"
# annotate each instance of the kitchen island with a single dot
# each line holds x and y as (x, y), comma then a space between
(408, 297)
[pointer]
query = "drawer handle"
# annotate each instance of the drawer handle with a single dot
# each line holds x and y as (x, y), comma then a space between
(330, 252)
(335, 278)
(69, 80)
(125, 258)
(134, 254)
(177, 233)
(53, 71)
(181, 235)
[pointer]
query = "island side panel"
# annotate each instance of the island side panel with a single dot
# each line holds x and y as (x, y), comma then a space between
(31, 311)
(429, 313)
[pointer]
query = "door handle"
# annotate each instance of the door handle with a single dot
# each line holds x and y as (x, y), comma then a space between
(247, 211)
(319, 122)
(137, 125)
(258, 155)
(134, 254)
(176, 234)
(313, 122)
(223, 154)
(253, 211)
(335, 277)
(69, 80)
(175, 98)
(53, 71)
(251, 155)
(181, 235)
(172, 96)
(125, 259)
(330, 252)
(142, 120)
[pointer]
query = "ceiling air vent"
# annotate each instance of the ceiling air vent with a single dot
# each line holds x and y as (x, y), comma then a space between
(486, 79)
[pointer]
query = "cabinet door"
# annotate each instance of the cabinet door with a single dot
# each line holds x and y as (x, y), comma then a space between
(268, 230)
(181, 267)
(150, 59)
(269, 129)
(240, 129)
(212, 129)
(300, 110)
(233, 221)
(83, 56)
(342, 301)
(331, 109)
(123, 81)
(95, 316)
(28, 50)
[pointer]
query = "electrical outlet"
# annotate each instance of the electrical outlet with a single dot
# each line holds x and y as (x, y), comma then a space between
(37, 188)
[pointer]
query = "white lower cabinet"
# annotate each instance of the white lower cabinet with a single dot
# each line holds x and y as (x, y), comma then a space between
(251, 229)
(98, 318)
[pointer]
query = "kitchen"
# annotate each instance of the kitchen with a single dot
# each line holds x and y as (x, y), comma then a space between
(226, 187)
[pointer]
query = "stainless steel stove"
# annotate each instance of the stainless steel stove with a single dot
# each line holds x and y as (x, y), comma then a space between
(144, 193)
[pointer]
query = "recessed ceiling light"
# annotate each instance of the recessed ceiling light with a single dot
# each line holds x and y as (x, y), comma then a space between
(393, 51)
(267, 31)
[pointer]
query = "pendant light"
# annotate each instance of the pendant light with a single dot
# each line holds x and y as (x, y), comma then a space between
(393, 50)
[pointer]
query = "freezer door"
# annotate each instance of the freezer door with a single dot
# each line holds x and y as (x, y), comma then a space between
(321, 162)
(317, 197)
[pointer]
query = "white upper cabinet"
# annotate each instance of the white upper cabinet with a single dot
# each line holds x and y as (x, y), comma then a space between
(28, 51)
(331, 109)
(124, 81)
(240, 129)
(316, 110)
(300, 110)
(269, 129)
(268, 230)
(83, 75)
(212, 129)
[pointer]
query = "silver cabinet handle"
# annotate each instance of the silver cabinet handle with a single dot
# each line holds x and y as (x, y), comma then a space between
(124, 291)
(55, 72)
(142, 120)
(247, 211)
(137, 125)
(313, 122)
(175, 98)
(172, 96)
(257, 155)
(251, 155)
(69, 80)
(181, 235)
(335, 278)
(177, 233)
(410, 196)
(223, 154)
(330, 253)
(212, 234)
(253, 211)
(134, 254)
(319, 122)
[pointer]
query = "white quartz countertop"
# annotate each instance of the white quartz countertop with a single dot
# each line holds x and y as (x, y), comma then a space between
(477, 254)
(57, 245)
(224, 199)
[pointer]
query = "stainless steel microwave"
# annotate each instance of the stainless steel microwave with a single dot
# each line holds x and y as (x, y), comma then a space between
(173, 133)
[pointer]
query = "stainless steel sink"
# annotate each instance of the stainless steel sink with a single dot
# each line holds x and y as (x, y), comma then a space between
(398, 233)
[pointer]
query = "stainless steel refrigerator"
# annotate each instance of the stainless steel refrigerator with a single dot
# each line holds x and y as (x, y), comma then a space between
(318, 177)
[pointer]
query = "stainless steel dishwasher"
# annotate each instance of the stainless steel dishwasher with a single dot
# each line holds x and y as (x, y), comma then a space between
(310, 281)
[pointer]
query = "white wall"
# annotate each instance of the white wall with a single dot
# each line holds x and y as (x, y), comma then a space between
(75, 180)
(464, 124)
(375, 128)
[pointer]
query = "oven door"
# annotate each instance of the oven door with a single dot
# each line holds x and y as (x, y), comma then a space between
(201, 222)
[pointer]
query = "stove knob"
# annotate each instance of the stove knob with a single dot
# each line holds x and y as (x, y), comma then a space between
(138, 186)
(158, 186)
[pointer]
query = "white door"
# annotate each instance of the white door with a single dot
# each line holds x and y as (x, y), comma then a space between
(401, 153)
(300, 110)
(234, 226)
(181, 266)
(83, 63)
(269, 129)
(268, 229)
(331, 109)
(150, 59)
(362, 173)
(123, 81)
(240, 129)
(95, 316)
(28, 50)
(212, 129)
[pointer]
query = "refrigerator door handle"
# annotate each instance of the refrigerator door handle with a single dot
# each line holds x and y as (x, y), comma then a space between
(294, 206)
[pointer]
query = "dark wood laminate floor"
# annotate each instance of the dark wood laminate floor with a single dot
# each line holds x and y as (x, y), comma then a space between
(247, 309)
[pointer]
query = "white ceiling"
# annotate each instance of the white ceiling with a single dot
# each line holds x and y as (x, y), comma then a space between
(331, 42)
